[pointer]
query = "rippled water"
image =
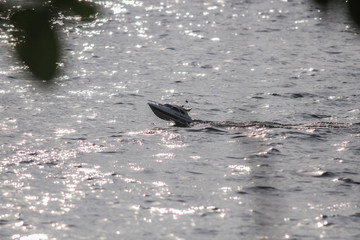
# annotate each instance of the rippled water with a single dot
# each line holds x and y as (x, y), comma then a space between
(274, 153)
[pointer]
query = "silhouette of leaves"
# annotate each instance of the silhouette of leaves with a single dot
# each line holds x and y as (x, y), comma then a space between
(34, 36)
(83, 9)
(354, 9)
(36, 42)
(352, 5)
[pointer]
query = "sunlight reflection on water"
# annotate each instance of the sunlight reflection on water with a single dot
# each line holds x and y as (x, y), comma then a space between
(87, 151)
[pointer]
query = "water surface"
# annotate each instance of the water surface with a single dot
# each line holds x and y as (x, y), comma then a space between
(273, 154)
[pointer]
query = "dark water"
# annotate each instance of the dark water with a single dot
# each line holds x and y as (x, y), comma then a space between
(274, 154)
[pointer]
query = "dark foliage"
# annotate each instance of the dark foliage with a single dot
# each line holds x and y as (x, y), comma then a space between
(354, 9)
(36, 42)
(35, 38)
(352, 5)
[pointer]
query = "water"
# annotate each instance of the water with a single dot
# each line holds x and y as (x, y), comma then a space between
(273, 154)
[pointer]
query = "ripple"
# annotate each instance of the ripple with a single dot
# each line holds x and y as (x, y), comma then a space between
(317, 116)
(348, 181)
(267, 153)
(196, 173)
(324, 174)
(262, 189)
(213, 130)
(357, 215)
(302, 95)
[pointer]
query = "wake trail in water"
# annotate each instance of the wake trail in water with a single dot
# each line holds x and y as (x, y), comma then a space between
(257, 124)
